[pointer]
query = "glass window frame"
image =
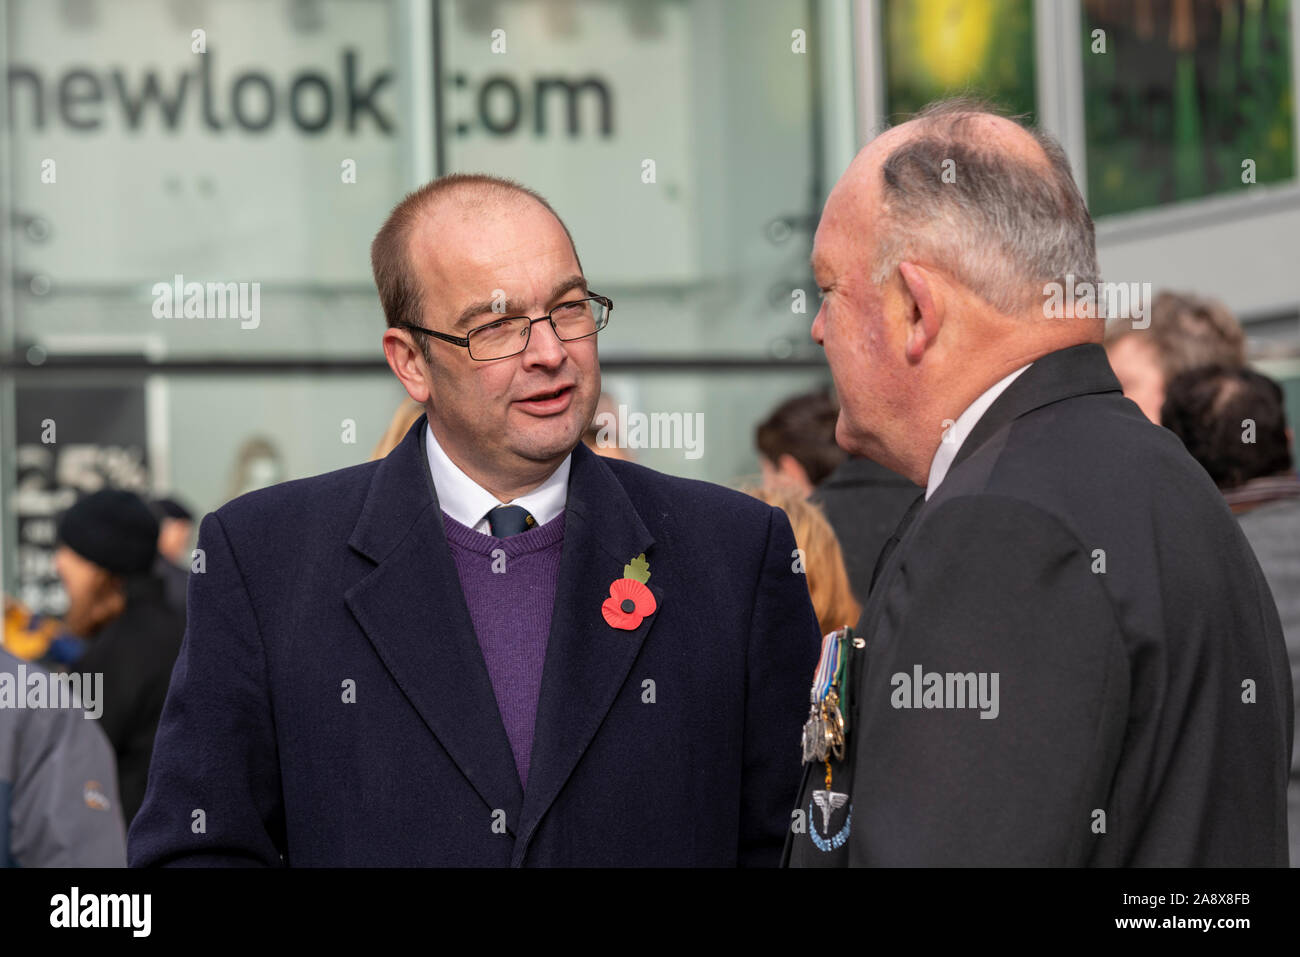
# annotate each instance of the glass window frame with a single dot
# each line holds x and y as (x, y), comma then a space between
(1058, 26)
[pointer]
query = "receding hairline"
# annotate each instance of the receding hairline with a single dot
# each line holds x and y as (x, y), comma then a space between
(469, 194)
(945, 119)
(392, 256)
(888, 180)
(967, 119)
(473, 195)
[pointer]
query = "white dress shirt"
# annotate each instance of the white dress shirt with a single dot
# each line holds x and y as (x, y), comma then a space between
(469, 503)
(956, 434)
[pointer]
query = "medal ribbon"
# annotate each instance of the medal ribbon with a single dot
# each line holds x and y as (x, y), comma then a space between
(828, 667)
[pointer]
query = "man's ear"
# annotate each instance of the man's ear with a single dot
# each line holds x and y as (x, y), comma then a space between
(927, 308)
(407, 363)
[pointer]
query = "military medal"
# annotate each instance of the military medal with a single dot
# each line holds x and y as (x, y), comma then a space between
(824, 731)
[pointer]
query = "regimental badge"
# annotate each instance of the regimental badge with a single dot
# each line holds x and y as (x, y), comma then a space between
(828, 802)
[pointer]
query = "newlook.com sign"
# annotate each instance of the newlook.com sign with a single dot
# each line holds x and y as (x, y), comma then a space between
(236, 141)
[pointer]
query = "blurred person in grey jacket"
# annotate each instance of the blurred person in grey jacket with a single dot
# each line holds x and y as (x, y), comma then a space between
(58, 781)
(1233, 421)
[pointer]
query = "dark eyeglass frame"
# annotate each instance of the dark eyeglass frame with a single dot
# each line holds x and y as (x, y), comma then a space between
(463, 341)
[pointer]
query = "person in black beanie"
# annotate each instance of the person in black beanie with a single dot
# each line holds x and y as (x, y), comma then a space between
(108, 542)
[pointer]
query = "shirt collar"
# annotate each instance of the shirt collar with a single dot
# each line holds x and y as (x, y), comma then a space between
(468, 502)
(956, 433)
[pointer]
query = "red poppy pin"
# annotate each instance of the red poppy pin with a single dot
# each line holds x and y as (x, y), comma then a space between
(629, 599)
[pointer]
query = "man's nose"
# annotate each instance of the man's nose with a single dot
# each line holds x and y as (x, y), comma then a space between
(61, 564)
(544, 347)
(817, 326)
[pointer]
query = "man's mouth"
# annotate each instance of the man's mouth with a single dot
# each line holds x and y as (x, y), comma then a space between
(548, 402)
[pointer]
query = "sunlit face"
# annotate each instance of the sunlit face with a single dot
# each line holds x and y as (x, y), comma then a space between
(1137, 366)
(866, 352)
(173, 536)
(92, 591)
(476, 266)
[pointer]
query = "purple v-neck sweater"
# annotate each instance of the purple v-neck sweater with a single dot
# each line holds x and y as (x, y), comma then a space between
(509, 586)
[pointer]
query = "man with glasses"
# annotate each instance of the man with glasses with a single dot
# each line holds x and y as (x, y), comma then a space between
(491, 647)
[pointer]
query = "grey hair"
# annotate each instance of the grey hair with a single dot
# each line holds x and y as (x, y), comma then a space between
(1004, 227)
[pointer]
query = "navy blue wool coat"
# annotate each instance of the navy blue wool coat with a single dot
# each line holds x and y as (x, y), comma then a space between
(676, 743)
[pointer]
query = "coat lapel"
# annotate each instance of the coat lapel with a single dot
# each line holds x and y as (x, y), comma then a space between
(1077, 370)
(413, 610)
(587, 660)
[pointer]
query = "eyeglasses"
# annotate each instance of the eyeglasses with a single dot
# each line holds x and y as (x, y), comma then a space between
(507, 337)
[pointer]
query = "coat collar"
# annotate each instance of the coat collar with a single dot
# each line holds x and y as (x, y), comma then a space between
(434, 656)
(1064, 374)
